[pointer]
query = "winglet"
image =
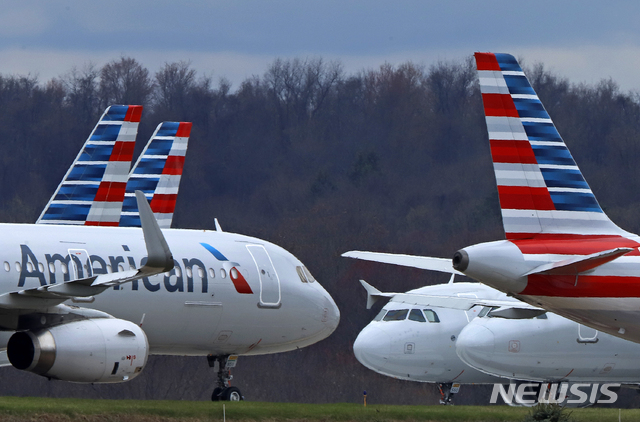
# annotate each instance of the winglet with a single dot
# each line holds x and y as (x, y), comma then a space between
(159, 254)
(373, 294)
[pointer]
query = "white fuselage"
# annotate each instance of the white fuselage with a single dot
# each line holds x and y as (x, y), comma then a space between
(199, 307)
(423, 351)
(551, 349)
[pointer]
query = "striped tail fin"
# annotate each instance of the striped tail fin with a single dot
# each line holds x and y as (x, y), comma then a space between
(157, 173)
(92, 191)
(541, 188)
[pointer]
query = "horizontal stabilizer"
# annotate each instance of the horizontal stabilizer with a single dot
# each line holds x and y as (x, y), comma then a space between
(580, 264)
(373, 294)
(442, 265)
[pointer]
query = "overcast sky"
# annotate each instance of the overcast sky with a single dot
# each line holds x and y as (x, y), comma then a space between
(585, 40)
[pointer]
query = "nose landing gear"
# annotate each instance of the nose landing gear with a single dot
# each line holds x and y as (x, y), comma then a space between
(224, 392)
(447, 390)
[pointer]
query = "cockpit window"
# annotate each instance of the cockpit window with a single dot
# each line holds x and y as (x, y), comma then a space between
(484, 311)
(302, 275)
(396, 315)
(416, 315)
(431, 315)
(542, 316)
(380, 315)
(308, 274)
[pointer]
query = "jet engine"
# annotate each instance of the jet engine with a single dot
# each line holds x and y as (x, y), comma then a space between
(99, 350)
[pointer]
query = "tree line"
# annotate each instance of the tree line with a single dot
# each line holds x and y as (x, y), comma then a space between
(319, 161)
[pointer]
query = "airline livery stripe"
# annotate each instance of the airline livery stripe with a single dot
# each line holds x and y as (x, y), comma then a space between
(163, 203)
(487, 61)
(122, 151)
(525, 198)
(499, 105)
(510, 151)
(111, 192)
(174, 165)
(584, 286)
(134, 113)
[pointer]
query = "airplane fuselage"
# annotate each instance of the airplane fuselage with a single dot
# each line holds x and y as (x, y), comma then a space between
(551, 349)
(227, 294)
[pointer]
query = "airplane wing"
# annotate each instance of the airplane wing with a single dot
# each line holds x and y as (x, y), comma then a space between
(511, 309)
(422, 262)
(159, 260)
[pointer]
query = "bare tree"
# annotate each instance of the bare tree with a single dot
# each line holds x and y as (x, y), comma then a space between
(125, 81)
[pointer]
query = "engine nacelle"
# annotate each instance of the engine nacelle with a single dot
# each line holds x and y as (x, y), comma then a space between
(100, 350)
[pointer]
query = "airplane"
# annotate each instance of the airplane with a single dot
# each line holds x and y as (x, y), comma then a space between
(413, 339)
(86, 303)
(458, 333)
(561, 252)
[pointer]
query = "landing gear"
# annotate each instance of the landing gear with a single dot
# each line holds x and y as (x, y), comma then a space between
(447, 390)
(224, 392)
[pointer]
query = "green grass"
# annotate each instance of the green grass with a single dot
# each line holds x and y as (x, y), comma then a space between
(45, 409)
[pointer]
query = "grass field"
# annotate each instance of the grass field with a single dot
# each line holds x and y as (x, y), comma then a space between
(44, 410)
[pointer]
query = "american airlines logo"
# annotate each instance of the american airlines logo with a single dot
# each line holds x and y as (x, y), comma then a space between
(569, 393)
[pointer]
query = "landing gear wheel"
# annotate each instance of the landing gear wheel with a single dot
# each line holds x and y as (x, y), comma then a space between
(231, 394)
(215, 396)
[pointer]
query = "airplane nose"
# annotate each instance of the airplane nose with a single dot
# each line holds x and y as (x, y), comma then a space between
(372, 348)
(330, 313)
(476, 345)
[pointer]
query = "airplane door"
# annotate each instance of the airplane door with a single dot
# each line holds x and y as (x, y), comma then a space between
(269, 281)
(80, 264)
(587, 334)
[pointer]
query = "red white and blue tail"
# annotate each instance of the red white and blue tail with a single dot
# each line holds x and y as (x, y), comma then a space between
(157, 174)
(92, 191)
(540, 186)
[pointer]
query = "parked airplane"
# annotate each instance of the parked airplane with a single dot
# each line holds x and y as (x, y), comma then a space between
(218, 294)
(459, 333)
(561, 252)
(413, 339)
(547, 349)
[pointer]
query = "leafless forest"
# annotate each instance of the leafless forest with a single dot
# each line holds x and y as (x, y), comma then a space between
(320, 162)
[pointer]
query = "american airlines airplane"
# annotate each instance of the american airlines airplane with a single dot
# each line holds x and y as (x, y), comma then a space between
(561, 253)
(85, 303)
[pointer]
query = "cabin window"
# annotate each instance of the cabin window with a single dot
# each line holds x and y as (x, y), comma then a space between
(396, 315)
(431, 315)
(380, 315)
(223, 273)
(64, 268)
(7, 267)
(41, 267)
(18, 267)
(189, 272)
(200, 272)
(416, 315)
(212, 273)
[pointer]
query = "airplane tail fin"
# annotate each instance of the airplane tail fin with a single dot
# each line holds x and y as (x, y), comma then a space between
(92, 191)
(157, 174)
(541, 189)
